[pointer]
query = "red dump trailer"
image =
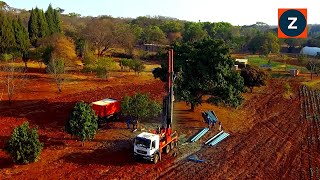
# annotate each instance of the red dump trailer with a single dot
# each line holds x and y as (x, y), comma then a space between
(106, 107)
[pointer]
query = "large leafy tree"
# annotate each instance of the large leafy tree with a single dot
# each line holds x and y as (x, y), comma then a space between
(173, 30)
(58, 46)
(194, 32)
(153, 34)
(205, 68)
(264, 43)
(254, 77)
(101, 35)
(271, 43)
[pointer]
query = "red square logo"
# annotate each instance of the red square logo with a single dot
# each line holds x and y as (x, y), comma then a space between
(292, 23)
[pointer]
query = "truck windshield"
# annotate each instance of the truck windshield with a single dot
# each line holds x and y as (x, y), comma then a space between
(142, 142)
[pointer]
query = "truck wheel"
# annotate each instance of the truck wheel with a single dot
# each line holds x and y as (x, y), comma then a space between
(167, 149)
(156, 159)
(172, 144)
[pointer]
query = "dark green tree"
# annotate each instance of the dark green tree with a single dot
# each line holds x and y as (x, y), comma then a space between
(194, 32)
(33, 26)
(24, 145)
(7, 38)
(21, 36)
(205, 68)
(42, 24)
(140, 106)
(254, 77)
(57, 21)
(22, 40)
(50, 20)
(83, 122)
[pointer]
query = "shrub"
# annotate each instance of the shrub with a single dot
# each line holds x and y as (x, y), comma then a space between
(89, 58)
(104, 66)
(83, 122)
(125, 64)
(6, 57)
(137, 66)
(24, 145)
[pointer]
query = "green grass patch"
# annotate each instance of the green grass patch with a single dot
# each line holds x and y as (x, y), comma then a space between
(313, 83)
(275, 66)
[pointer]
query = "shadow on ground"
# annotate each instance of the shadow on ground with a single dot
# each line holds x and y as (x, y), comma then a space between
(114, 153)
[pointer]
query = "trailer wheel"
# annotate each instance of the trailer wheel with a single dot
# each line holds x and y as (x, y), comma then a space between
(167, 149)
(156, 159)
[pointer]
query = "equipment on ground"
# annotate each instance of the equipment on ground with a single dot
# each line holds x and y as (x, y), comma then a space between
(151, 145)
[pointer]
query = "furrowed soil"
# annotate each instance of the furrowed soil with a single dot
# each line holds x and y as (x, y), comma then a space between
(267, 141)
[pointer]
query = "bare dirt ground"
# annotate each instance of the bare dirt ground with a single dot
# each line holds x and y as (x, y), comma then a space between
(268, 147)
(266, 139)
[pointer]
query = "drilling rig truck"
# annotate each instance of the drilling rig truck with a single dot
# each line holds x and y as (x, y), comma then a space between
(150, 146)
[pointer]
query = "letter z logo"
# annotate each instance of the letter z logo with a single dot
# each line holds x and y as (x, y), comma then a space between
(293, 20)
(292, 23)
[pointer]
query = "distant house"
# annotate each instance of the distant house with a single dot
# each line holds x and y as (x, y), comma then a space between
(242, 61)
(310, 51)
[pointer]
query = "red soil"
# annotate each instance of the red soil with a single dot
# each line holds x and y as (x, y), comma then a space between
(270, 149)
(266, 139)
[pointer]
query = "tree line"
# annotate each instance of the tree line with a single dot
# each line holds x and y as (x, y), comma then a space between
(103, 33)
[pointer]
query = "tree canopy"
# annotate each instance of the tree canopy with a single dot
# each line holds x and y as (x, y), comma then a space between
(254, 77)
(205, 68)
(264, 43)
(140, 106)
(59, 46)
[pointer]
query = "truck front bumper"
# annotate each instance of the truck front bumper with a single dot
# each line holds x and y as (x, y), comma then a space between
(143, 156)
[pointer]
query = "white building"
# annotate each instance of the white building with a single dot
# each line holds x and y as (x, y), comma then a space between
(310, 51)
(243, 61)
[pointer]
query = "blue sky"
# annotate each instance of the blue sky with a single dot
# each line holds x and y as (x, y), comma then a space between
(233, 11)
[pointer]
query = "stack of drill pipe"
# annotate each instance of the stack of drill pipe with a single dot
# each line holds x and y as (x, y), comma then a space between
(212, 116)
(214, 137)
(219, 139)
(200, 134)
